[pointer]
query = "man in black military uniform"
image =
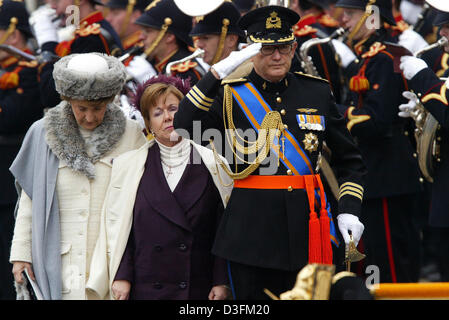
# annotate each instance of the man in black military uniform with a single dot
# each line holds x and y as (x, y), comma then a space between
(270, 228)
(391, 239)
(166, 38)
(217, 33)
(433, 94)
(324, 57)
(19, 108)
(94, 34)
(122, 15)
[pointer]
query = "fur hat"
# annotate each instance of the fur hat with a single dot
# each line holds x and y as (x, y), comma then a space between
(87, 79)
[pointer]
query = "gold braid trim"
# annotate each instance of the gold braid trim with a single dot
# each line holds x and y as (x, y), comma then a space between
(10, 30)
(368, 10)
(129, 11)
(167, 22)
(224, 32)
(270, 129)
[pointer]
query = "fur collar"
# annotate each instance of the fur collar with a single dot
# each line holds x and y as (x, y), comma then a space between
(64, 138)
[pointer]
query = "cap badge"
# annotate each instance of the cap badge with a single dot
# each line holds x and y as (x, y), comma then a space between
(199, 19)
(273, 21)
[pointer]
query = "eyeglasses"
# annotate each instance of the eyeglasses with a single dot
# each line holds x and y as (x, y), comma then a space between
(269, 50)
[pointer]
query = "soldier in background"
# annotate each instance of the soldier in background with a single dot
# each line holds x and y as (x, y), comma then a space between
(165, 31)
(391, 240)
(19, 107)
(122, 15)
(94, 34)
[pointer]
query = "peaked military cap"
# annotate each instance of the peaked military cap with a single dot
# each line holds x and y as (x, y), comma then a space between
(123, 4)
(165, 13)
(270, 25)
(442, 12)
(212, 23)
(13, 14)
(385, 7)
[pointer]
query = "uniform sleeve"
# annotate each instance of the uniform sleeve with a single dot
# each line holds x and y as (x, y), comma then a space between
(347, 162)
(201, 105)
(433, 94)
(21, 242)
(375, 116)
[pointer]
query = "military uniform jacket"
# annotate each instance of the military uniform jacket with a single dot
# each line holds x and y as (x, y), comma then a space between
(323, 56)
(190, 69)
(434, 96)
(19, 107)
(95, 35)
(267, 227)
(373, 120)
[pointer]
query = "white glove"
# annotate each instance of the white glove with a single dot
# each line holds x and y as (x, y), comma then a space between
(348, 222)
(410, 66)
(236, 58)
(412, 41)
(140, 69)
(408, 108)
(43, 26)
(345, 53)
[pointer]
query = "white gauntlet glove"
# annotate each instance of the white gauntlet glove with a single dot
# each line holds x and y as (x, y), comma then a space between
(410, 66)
(140, 69)
(408, 108)
(43, 26)
(235, 59)
(412, 41)
(348, 222)
(345, 53)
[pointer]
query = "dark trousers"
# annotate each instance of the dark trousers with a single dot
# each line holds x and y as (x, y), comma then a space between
(442, 236)
(391, 240)
(249, 282)
(7, 291)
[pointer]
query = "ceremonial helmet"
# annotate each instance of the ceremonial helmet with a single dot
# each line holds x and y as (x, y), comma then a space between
(442, 16)
(385, 7)
(270, 25)
(13, 15)
(165, 16)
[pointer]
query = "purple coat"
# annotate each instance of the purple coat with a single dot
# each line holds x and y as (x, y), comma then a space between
(168, 255)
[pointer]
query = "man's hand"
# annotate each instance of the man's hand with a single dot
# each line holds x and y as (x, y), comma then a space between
(219, 293)
(44, 28)
(348, 222)
(121, 289)
(224, 67)
(17, 269)
(408, 108)
(410, 66)
(140, 69)
(412, 41)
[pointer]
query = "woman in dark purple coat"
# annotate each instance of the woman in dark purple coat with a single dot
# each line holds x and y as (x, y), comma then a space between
(176, 212)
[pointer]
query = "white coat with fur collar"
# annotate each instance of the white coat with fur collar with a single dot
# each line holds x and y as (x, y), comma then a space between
(117, 212)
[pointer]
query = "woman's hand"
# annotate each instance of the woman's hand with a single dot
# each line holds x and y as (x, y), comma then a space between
(120, 289)
(17, 269)
(219, 293)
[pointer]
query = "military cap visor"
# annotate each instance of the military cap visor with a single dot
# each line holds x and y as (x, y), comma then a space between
(385, 8)
(123, 4)
(441, 18)
(270, 25)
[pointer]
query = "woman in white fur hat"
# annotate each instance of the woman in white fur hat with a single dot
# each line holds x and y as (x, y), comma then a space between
(62, 172)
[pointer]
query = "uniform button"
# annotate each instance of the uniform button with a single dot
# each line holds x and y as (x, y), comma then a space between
(406, 133)
(415, 155)
(285, 126)
(289, 172)
(421, 180)
(158, 248)
(278, 99)
(183, 285)
(290, 189)
(182, 247)
(283, 112)
(157, 285)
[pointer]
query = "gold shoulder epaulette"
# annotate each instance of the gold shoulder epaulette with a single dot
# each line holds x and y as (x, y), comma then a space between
(184, 66)
(28, 64)
(374, 50)
(228, 81)
(328, 21)
(310, 76)
(88, 30)
(305, 31)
